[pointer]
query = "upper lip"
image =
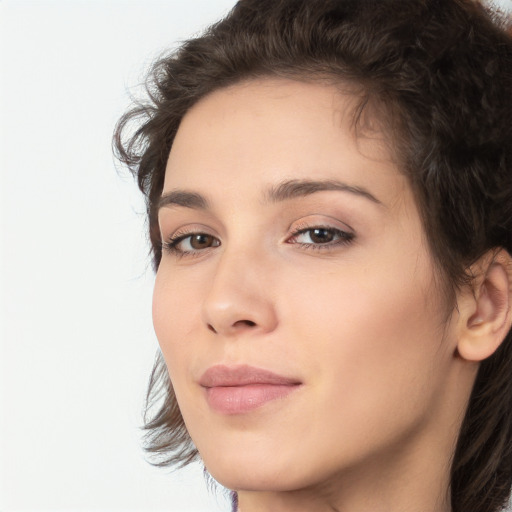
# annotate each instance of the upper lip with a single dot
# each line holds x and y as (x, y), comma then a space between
(242, 375)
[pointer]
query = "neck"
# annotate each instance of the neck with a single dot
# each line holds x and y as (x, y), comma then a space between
(417, 493)
(411, 477)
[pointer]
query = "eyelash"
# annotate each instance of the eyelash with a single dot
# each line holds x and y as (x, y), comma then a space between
(344, 238)
(171, 246)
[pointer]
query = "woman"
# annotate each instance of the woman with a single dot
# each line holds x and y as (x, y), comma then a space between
(329, 191)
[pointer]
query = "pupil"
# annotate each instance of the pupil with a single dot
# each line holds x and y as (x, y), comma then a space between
(201, 241)
(321, 236)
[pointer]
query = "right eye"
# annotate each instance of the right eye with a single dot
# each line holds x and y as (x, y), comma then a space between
(190, 243)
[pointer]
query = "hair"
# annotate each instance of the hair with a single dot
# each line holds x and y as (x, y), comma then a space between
(438, 75)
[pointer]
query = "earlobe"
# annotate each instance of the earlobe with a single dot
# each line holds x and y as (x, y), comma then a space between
(485, 310)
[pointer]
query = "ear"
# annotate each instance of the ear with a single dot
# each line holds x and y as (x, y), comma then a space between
(485, 316)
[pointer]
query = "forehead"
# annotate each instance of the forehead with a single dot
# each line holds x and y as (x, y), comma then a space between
(262, 131)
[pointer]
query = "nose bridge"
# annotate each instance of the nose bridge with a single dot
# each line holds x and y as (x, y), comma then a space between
(239, 296)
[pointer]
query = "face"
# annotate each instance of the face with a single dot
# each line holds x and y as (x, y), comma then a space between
(295, 303)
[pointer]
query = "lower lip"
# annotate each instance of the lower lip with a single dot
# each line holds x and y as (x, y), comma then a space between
(243, 399)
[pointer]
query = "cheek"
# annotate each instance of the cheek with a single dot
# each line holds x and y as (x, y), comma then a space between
(372, 340)
(355, 300)
(175, 316)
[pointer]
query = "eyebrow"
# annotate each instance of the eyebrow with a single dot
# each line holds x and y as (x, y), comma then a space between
(183, 198)
(283, 191)
(301, 188)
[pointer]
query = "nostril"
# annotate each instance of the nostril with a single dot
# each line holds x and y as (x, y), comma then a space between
(248, 323)
(239, 324)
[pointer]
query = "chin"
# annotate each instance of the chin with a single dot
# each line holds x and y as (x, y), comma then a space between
(254, 479)
(265, 472)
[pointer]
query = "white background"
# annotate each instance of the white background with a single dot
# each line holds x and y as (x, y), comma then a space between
(77, 343)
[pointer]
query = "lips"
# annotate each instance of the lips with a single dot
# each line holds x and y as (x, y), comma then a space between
(241, 389)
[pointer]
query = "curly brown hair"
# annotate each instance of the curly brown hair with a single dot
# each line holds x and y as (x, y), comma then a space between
(438, 73)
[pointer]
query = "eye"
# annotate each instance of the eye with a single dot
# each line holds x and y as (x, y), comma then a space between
(320, 236)
(182, 244)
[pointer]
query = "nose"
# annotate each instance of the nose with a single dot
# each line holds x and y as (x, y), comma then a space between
(239, 299)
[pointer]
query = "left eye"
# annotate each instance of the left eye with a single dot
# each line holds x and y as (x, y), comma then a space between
(197, 242)
(320, 236)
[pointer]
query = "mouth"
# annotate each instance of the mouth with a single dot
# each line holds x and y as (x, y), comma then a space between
(241, 389)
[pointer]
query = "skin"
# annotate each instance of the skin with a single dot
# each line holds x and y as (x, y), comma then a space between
(359, 321)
